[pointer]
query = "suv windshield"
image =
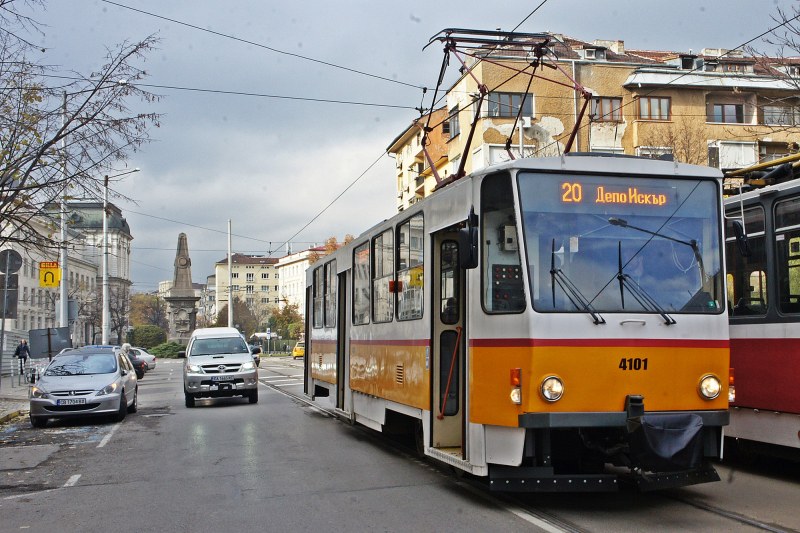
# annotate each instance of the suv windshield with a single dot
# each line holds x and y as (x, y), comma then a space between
(621, 243)
(69, 364)
(218, 346)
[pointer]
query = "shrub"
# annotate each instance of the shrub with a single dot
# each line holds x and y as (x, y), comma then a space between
(147, 336)
(168, 350)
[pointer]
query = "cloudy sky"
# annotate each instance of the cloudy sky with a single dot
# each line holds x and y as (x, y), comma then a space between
(272, 164)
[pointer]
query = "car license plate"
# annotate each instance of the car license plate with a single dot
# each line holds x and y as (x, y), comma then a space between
(222, 377)
(71, 401)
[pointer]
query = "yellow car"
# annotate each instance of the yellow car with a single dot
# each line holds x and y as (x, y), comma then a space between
(299, 350)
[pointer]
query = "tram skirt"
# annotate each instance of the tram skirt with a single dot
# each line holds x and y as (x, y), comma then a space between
(666, 442)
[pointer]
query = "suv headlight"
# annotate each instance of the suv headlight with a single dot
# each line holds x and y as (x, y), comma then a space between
(194, 368)
(108, 389)
(250, 365)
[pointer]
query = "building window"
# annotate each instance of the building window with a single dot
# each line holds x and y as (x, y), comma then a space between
(250, 289)
(452, 119)
(264, 300)
(249, 302)
(607, 109)
(234, 288)
(781, 115)
(655, 108)
(235, 275)
(265, 275)
(264, 288)
(250, 276)
(507, 104)
(653, 152)
(727, 113)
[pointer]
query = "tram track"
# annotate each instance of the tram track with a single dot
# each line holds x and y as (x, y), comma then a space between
(544, 519)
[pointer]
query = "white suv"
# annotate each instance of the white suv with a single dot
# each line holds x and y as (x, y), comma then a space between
(218, 364)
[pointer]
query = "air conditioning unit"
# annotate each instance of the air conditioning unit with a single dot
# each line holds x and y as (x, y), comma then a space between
(526, 122)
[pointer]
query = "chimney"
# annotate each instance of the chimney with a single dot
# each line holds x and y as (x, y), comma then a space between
(618, 47)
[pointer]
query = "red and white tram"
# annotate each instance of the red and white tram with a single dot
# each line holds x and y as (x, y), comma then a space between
(764, 299)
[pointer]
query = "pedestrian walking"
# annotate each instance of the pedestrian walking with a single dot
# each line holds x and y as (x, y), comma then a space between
(22, 352)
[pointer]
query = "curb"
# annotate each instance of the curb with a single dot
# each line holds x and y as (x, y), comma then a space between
(11, 415)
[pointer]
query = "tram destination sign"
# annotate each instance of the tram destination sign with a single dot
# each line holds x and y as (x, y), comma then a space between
(579, 192)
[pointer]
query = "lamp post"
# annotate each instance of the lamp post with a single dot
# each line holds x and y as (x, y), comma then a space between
(106, 322)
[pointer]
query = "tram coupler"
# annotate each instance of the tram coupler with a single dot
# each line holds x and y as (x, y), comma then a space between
(663, 442)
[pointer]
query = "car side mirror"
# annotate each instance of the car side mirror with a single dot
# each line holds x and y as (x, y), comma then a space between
(182, 354)
(468, 242)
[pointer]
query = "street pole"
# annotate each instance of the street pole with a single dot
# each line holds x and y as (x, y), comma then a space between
(105, 322)
(230, 278)
(64, 304)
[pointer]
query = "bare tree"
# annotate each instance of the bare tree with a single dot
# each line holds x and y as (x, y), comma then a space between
(60, 132)
(684, 139)
(148, 309)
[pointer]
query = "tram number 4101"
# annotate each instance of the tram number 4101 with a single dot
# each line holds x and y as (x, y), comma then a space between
(633, 363)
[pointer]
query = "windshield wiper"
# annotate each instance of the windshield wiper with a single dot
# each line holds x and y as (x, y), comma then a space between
(639, 294)
(621, 222)
(570, 289)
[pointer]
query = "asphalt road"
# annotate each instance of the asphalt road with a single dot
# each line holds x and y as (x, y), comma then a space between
(284, 465)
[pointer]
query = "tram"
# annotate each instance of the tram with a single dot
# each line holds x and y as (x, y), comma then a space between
(763, 286)
(550, 324)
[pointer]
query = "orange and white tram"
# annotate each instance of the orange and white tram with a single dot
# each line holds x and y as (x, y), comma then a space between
(539, 322)
(764, 298)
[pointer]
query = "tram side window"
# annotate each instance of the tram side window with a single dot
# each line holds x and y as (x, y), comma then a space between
(361, 284)
(787, 240)
(503, 288)
(318, 294)
(330, 295)
(382, 276)
(747, 276)
(409, 287)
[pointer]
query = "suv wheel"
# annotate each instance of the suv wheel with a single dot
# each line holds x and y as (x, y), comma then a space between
(253, 396)
(189, 399)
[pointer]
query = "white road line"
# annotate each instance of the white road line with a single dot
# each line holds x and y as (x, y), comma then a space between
(108, 436)
(72, 480)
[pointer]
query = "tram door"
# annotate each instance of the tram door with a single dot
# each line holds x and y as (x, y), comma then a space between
(447, 346)
(341, 340)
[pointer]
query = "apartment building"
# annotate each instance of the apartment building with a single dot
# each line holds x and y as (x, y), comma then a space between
(717, 107)
(292, 269)
(254, 280)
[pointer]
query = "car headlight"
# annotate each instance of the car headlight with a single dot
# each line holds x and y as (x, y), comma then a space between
(108, 389)
(250, 365)
(710, 387)
(552, 388)
(38, 392)
(194, 368)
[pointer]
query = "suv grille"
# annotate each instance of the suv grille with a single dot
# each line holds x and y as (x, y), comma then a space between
(222, 368)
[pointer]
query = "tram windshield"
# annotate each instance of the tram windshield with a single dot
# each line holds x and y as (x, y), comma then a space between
(620, 244)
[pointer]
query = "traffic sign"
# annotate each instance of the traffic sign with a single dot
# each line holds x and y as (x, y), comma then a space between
(49, 274)
(10, 261)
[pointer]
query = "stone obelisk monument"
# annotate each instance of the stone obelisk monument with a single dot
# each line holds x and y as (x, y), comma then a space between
(181, 302)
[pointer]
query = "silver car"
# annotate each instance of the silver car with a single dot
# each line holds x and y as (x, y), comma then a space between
(146, 356)
(218, 364)
(84, 382)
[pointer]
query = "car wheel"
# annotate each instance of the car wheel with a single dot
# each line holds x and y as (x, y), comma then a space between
(38, 421)
(139, 374)
(253, 396)
(123, 407)
(132, 408)
(189, 399)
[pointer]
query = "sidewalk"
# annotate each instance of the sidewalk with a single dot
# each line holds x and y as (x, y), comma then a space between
(13, 399)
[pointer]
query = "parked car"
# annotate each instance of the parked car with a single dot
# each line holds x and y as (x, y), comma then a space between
(218, 364)
(299, 350)
(139, 364)
(84, 382)
(149, 358)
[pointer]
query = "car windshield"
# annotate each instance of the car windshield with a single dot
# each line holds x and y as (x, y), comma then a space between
(622, 243)
(77, 364)
(219, 345)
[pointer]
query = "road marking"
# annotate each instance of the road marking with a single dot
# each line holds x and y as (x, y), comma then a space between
(108, 436)
(72, 480)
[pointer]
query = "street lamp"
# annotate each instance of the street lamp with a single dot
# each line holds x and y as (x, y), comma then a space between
(106, 322)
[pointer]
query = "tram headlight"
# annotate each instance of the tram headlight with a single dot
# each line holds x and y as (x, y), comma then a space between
(552, 388)
(710, 387)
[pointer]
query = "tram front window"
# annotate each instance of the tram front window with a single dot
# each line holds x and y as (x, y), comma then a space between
(621, 244)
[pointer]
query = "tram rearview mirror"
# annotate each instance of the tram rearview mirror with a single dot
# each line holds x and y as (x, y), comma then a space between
(741, 238)
(468, 242)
